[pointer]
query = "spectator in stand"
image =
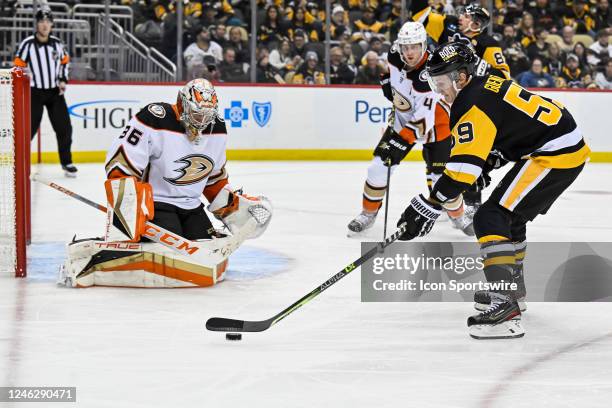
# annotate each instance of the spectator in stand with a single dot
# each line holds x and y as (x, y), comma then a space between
(567, 35)
(338, 23)
(367, 25)
(580, 51)
(538, 48)
(572, 75)
(283, 59)
(340, 72)
(266, 73)
(232, 71)
(536, 77)
(577, 16)
(376, 46)
(309, 73)
(543, 15)
(240, 45)
(393, 20)
(526, 33)
(217, 12)
(302, 20)
(600, 50)
(274, 28)
(370, 73)
(603, 80)
(195, 52)
(217, 34)
(512, 12)
(602, 15)
(555, 60)
(299, 44)
(508, 36)
(348, 56)
(513, 51)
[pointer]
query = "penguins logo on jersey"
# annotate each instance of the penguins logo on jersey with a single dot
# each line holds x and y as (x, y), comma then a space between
(196, 168)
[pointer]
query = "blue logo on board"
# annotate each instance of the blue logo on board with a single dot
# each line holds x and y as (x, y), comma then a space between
(262, 112)
(236, 114)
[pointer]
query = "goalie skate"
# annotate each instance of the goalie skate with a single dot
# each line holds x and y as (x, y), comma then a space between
(361, 223)
(501, 320)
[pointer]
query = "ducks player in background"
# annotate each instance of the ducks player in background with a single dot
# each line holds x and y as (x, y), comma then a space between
(418, 115)
(495, 120)
(158, 168)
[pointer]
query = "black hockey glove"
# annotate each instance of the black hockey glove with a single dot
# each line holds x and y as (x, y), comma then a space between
(420, 217)
(481, 183)
(385, 83)
(392, 148)
(494, 162)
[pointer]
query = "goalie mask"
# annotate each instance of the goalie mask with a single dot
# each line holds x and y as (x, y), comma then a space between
(411, 43)
(198, 106)
(444, 65)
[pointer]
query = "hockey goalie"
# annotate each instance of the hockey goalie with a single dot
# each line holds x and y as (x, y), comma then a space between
(157, 170)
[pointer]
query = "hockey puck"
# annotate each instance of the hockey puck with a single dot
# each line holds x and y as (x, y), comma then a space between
(233, 336)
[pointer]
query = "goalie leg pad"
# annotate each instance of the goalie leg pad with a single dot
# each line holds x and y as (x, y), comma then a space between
(146, 265)
(130, 206)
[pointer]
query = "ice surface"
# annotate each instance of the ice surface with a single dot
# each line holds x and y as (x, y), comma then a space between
(149, 348)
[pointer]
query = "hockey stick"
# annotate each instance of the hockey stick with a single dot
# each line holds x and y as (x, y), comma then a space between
(233, 325)
(154, 232)
(387, 197)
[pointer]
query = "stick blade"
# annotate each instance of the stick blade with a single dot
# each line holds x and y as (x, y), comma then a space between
(233, 325)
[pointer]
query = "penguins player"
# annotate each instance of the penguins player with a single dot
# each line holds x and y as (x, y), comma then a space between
(494, 120)
(469, 27)
(418, 115)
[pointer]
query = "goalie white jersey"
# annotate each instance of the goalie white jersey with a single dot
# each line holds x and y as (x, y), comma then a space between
(155, 148)
(419, 113)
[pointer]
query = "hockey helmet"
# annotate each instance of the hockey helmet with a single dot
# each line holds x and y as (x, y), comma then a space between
(43, 13)
(197, 105)
(412, 32)
(445, 63)
(478, 14)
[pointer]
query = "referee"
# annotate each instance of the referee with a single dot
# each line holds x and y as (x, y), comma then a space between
(47, 60)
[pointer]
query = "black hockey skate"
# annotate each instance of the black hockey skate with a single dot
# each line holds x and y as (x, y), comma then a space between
(482, 298)
(501, 320)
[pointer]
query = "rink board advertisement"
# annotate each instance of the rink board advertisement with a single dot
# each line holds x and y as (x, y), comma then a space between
(281, 122)
(452, 272)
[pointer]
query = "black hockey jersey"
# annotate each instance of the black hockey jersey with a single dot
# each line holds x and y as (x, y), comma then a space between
(445, 28)
(494, 115)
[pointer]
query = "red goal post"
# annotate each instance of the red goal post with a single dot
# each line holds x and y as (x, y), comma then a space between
(15, 228)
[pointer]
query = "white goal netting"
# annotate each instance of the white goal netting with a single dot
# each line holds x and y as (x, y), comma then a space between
(8, 247)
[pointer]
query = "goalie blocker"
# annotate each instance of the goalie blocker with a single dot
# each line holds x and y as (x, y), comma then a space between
(166, 158)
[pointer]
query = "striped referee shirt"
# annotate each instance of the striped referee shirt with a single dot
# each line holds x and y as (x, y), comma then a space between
(48, 62)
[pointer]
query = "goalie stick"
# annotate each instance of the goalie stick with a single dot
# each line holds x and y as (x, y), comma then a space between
(161, 235)
(234, 325)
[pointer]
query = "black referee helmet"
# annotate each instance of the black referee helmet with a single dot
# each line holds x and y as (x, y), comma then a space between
(44, 13)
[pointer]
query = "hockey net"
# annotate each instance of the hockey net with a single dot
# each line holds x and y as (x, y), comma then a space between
(14, 170)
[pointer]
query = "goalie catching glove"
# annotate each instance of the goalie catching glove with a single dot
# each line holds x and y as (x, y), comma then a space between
(130, 206)
(242, 214)
(419, 217)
